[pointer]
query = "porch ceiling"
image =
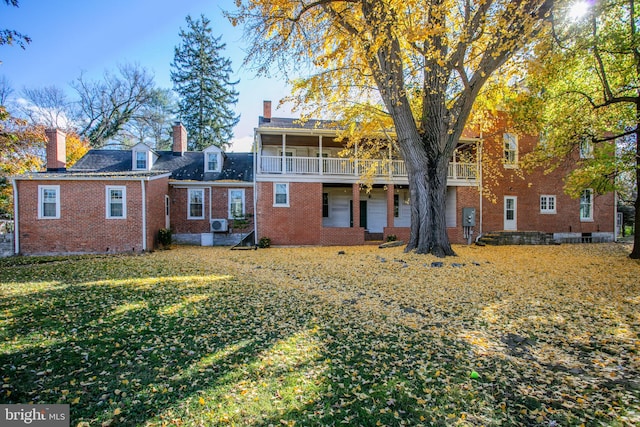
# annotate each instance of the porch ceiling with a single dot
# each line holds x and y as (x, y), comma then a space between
(300, 141)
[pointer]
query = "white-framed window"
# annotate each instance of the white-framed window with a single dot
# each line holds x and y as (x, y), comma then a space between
(586, 149)
(196, 203)
(586, 205)
(281, 194)
(236, 203)
(141, 159)
(547, 204)
(48, 202)
(510, 150)
(116, 202)
(213, 163)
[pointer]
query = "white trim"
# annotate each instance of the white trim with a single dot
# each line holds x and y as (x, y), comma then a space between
(275, 194)
(108, 189)
(506, 221)
(189, 192)
(69, 176)
(42, 188)
(275, 131)
(218, 161)
(591, 206)
(547, 210)
(134, 160)
(244, 211)
(510, 164)
(200, 184)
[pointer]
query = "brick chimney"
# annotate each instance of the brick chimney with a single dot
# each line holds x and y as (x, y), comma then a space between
(56, 150)
(179, 139)
(266, 111)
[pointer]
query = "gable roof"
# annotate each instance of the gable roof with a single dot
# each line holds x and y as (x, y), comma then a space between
(189, 166)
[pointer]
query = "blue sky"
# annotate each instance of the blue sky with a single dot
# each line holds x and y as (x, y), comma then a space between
(70, 37)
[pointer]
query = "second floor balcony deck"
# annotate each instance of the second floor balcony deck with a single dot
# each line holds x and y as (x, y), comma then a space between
(349, 169)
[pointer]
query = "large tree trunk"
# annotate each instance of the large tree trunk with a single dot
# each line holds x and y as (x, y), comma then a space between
(428, 191)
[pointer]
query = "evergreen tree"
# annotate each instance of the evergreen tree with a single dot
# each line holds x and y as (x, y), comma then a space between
(201, 77)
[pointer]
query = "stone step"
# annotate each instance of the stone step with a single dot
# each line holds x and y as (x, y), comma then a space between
(517, 238)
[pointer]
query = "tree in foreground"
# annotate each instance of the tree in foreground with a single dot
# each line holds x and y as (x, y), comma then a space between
(420, 63)
(584, 91)
(11, 37)
(202, 78)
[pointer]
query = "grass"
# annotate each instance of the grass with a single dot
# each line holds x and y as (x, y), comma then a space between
(308, 336)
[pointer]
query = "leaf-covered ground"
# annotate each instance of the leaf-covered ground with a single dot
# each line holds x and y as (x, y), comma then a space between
(544, 336)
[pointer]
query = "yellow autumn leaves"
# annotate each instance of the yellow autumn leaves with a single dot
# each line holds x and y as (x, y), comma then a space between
(313, 336)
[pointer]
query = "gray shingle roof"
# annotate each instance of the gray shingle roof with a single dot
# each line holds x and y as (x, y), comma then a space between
(190, 166)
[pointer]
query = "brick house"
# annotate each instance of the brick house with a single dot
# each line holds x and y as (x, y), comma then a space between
(307, 194)
(294, 188)
(118, 200)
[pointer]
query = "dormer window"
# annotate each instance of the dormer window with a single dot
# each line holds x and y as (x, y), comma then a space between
(213, 162)
(141, 160)
(142, 157)
(213, 158)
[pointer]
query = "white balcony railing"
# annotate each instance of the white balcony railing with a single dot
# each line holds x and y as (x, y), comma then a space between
(355, 167)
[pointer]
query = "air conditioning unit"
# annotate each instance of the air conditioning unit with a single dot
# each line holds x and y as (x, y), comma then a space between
(219, 225)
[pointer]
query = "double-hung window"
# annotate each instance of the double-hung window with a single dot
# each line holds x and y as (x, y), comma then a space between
(48, 201)
(116, 202)
(586, 205)
(586, 149)
(196, 203)
(213, 162)
(236, 204)
(141, 160)
(547, 204)
(281, 194)
(510, 150)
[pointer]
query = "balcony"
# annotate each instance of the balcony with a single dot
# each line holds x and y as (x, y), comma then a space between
(352, 169)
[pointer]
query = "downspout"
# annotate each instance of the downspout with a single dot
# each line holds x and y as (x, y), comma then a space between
(144, 216)
(256, 150)
(16, 234)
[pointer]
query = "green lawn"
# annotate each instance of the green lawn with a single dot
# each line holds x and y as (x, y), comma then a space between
(543, 336)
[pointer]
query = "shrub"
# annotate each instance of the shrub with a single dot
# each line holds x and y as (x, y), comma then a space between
(392, 238)
(264, 242)
(164, 237)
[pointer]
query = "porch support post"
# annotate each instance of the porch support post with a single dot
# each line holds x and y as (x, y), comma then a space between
(356, 204)
(390, 194)
(284, 154)
(320, 161)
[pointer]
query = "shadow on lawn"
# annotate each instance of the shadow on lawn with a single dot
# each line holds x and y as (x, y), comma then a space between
(209, 350)
(136, 348)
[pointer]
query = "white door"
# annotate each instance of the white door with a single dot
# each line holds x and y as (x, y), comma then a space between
(510, 213)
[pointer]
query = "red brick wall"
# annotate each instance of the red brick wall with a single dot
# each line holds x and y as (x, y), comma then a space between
(466, 197)
(155, 192)
(298, 224)
(219, 209)
(82, 227)
(528, 186)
